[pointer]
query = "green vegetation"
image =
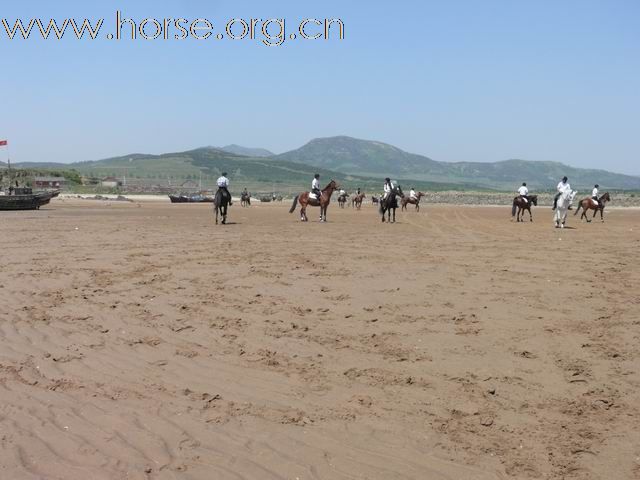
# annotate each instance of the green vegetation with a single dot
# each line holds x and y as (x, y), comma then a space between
(368, 158)
(353, 163)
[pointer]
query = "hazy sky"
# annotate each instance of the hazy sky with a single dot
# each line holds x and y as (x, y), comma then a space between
(454, 80)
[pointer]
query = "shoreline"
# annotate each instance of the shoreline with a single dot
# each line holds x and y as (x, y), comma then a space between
(255, 201)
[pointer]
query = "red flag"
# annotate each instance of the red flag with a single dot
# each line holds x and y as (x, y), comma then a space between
(3, 143)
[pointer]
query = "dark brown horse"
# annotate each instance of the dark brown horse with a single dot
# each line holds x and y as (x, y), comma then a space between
(245, 199)
(305, 201)
(375, 200)
(588, 204)
(356, 200)
(413, 201)
(521, 205)
(342, 200)
(221, 204)
(388, 205)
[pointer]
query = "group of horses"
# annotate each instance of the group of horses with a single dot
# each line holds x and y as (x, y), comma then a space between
(356, 200)
(520, 205)
(389, 204)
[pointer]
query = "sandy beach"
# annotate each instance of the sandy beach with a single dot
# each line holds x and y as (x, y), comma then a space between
(140, 341)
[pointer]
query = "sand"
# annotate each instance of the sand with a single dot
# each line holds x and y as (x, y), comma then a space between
(140, 341)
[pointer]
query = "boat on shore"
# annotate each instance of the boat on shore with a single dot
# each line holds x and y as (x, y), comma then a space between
(23, 198)
(199, 198)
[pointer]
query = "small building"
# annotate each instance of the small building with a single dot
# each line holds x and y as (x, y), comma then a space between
(110, 182)
(49, 183)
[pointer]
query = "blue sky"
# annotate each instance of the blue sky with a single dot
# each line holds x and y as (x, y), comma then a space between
(457, 80)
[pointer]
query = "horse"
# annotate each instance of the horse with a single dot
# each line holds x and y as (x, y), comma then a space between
(587, 204)
(221, 203)
(356, 200)
(323, 202)
(390, 203)
(560, 216)
(375, 200)
(413, 201)
(245, 199)
(521, 205)
(342, 200)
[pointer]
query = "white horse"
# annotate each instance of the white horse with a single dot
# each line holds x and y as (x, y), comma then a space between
(563, 206)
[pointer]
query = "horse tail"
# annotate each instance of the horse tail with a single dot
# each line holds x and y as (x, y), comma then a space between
(577, 209)
(513, 208)
(295, 204)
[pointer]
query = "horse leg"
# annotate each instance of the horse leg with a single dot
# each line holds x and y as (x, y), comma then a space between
(216, 215)
(530, 215)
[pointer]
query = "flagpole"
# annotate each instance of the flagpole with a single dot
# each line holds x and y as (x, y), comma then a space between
(5, 144)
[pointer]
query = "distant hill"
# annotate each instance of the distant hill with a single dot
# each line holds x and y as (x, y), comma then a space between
(370, 158)
(346, 154)
(255, 173)
(247, 151)
(354, 163)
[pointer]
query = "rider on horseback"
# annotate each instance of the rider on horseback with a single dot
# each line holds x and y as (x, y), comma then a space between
(594, 195)
(412, 194)
(523, 191)
(223, 185)
(388, 187)
(562, 187)
(315, 186)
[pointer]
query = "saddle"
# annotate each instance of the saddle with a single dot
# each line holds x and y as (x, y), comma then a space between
(313, 196)
(595, 202)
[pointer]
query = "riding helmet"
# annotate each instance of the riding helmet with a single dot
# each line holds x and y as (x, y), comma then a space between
(224, 174)
(317, 175)
(597, 186)
(524, 184)
(387, 179)
(564, 179)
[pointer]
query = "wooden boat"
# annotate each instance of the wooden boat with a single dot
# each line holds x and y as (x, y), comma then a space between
(191, 199)
(24, 199)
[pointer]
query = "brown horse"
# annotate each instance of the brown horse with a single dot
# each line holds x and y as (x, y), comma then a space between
(356, 201)
(413, 201)
(521, 205)
(375, 200)
(305, 201)
(587, 204)
(342, 200)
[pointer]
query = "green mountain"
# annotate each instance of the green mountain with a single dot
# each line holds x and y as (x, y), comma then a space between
(352, 162)
(206, 164)
(370, 158)
(346, 154)
(247, 151)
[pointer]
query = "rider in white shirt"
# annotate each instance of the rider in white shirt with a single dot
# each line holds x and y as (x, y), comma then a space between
(223, 184)
(594, 194)
(315, 186)
(562, 187)
(388, 187)
(412, 194)
(523, 191)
